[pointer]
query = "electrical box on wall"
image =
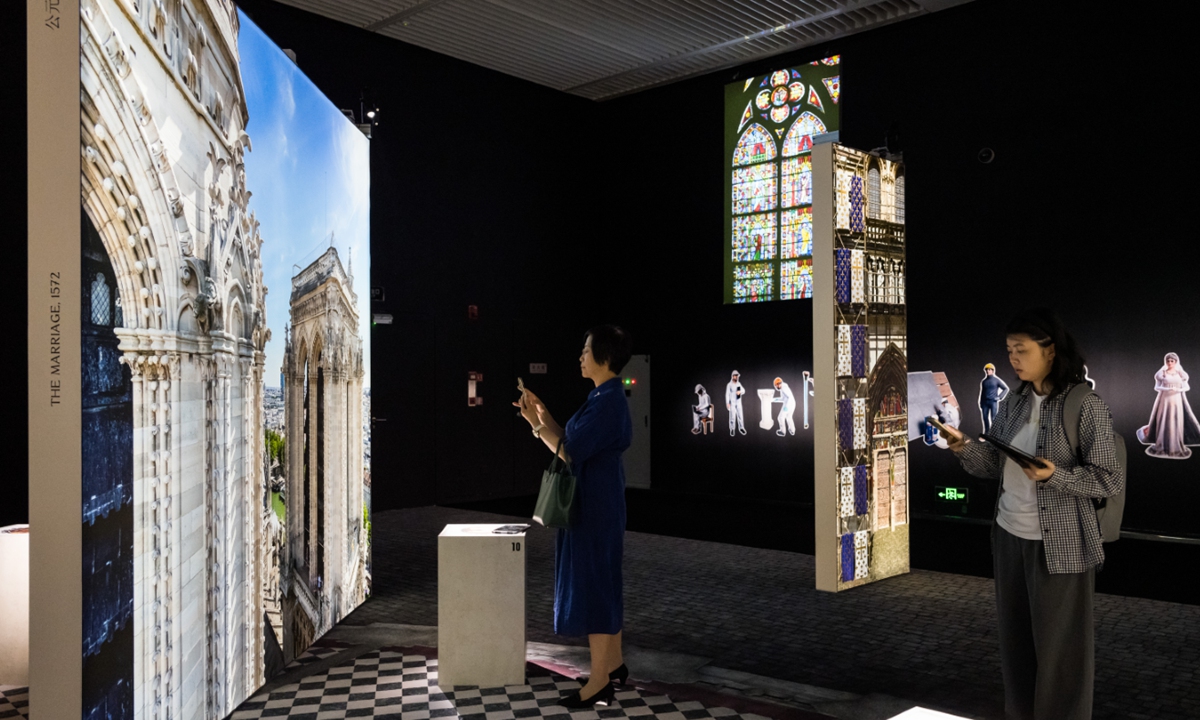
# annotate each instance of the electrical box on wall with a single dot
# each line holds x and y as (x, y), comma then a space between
(473, 380)
(635, 378)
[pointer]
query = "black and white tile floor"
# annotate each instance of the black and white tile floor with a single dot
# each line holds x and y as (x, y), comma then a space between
(388, 682)
(14, 702)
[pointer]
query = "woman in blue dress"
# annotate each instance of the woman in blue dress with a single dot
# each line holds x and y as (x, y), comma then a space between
(587, 556)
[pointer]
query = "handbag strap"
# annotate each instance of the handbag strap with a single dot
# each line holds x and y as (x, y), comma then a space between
(557, 457)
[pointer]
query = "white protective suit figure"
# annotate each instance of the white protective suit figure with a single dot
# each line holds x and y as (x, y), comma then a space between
(733, 403)
(786, 424)
(701, 410)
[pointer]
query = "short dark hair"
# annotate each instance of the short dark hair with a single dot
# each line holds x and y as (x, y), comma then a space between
(610, 345)
(1044, 327)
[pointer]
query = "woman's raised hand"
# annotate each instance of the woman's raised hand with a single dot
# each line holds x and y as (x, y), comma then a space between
(534, 410)
(955, 439)
(528, 406)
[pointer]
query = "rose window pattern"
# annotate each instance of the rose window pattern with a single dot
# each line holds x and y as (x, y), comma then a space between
(770, 211)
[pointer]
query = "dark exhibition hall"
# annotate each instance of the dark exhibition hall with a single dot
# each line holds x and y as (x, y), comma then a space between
(914, 274)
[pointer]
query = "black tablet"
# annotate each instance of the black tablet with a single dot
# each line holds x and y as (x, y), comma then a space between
(1020, 457)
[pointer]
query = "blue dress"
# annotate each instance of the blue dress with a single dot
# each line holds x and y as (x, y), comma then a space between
(588, 595)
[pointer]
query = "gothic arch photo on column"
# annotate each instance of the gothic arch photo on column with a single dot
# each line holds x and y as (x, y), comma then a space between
(188, 579)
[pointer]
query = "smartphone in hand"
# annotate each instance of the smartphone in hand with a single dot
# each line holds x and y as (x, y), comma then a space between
(938, 424)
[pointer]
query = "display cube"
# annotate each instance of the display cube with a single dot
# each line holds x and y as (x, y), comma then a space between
(14, 599)
(920, 713)
(481, 607)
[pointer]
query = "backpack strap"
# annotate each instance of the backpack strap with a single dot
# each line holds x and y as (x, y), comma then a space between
(1072, 412)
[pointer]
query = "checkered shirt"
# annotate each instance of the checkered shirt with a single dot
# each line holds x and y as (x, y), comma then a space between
(1067, 499)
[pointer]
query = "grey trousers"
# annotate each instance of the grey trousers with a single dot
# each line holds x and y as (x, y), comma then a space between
(1047, 644)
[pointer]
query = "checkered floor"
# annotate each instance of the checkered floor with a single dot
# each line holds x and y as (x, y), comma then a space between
(388, 682)
(14, 702)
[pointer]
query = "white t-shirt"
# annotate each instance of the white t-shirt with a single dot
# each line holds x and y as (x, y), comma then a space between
(1019, 503)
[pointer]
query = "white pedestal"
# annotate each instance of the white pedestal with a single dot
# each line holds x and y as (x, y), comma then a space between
(481, 607)
(14, 599)
(920, 713)
(764, 401)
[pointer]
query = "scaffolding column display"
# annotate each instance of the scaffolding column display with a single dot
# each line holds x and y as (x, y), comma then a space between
(859, 368)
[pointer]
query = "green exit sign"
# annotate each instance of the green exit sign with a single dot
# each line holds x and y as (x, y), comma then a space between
(954, 494)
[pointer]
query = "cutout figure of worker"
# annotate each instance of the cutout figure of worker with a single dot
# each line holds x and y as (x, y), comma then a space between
(809, 391)
(702, 410)
(786, 424)
(991, 391)
(733, 402)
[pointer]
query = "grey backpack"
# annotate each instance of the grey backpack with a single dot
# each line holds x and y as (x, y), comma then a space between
(1110, 509)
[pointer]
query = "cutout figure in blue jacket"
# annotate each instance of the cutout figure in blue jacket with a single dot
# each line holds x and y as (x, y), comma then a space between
(991, 391)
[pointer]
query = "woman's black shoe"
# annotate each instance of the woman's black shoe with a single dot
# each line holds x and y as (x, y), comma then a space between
(620, 675)
(573, 701)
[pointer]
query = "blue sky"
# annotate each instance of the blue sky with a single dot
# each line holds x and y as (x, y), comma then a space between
(309, 175)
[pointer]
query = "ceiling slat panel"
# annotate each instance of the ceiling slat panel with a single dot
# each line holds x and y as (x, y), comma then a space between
(604, 48)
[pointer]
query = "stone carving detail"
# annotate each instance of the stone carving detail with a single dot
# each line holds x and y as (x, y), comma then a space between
(116, 54)
(161, 163)
(138, 102)
(175, 202)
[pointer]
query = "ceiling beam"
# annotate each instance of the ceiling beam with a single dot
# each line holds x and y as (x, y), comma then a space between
(794, 24)
(419, 6)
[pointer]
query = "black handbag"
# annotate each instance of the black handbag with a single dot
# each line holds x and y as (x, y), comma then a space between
(556, 500)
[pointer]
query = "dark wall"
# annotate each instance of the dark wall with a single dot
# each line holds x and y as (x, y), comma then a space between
(14, 429)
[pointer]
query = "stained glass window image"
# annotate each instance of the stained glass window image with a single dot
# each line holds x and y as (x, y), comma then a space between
(754, 237)
(900, 199)
(799, 135)
(755, 189)
(795, 280)
(814, 99)
(753, 283)
(746, 115)
(797, 181)
(834, 86)
(756, 146)
(770, 122)
(795, 233)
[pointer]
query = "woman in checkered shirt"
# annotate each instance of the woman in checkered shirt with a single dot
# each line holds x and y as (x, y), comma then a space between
(1046, 544)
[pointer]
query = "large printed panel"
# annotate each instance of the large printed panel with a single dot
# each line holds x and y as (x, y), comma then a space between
(225, 429)
(770, 123)
(864, 322)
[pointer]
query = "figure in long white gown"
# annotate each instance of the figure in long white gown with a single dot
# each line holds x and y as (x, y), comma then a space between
(1173, 426)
